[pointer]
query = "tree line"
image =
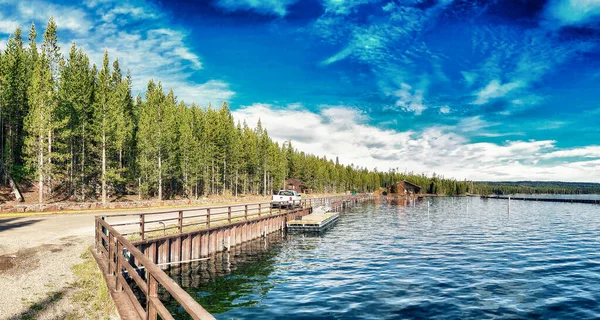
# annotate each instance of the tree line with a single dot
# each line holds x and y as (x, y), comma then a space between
(75, 131)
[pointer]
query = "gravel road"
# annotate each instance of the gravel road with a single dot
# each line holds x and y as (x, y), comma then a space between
(37, 253)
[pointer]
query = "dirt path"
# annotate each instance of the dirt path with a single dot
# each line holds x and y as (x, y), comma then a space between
(36, 256)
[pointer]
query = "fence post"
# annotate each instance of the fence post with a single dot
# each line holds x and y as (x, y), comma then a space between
(97, 234)
(270, 210)
(142, 231)
(229, 214)
(180, 222)
(152, 292)
(246, 212)
(119, 255)
(259, 209)
(208, 217)
(110, 253)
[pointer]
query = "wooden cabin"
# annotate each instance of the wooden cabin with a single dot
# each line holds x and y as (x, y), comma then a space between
(405, 188)
(294, 184)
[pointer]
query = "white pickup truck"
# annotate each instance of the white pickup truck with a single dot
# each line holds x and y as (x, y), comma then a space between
(286, 198)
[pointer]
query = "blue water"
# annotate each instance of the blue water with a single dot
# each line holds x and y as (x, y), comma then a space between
(467, 258)
(561, 196)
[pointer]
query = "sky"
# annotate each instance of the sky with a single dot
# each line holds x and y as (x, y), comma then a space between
(478, 90)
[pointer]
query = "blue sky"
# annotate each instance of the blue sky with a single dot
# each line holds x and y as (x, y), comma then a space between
(486, 90)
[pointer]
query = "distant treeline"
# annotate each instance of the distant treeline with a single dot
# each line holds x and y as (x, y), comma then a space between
(536, 187)
(75, 131)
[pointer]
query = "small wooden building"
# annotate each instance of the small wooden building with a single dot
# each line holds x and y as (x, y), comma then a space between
(405, 187)
(294, 184)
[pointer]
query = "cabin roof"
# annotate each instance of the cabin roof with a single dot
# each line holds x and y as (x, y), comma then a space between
(412, 184)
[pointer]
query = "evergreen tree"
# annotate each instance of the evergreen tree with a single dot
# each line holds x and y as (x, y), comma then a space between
(14, 102)
(39, 121)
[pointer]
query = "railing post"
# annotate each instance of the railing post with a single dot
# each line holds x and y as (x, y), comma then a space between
(119, 255)
(259, 209)
(110, 253)
(229, 214)
(246, 212)
(97, 233)
(208, 217)
(270, 210)
(180, 222)
(152, 293)
(142, 226)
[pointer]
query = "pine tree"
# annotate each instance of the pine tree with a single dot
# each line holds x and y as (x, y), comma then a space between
(39, 121)
(14, 100)
(51, 51)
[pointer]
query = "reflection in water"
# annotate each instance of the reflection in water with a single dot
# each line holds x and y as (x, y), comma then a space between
(456, 258)
(239, 278)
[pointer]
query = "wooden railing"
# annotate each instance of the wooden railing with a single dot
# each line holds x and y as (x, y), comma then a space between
(145, 225)
(120, 252)
(122, 257)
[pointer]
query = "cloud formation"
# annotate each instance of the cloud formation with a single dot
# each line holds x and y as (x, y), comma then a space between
(344, 132)
(573, 12)
(266, 7)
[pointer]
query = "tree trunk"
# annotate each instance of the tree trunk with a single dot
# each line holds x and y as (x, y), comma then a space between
(159, 177)
(40, 170)
(103, 167)
(265, 177)
(49, 175)
(11, 182)
(83, 164)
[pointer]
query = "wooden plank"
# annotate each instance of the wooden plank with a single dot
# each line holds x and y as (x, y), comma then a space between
(160, 308)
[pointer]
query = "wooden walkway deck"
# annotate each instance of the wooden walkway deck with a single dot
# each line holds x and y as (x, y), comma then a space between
(312, 223)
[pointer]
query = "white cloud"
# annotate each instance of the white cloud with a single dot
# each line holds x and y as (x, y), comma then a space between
(213, 91)
(584, 152)
(344, 132)
(8, 26)
(495, 89)
(267, 7)
(67, 17)
(343, 7)
(410, 100)
(573, 12)
(445, 110)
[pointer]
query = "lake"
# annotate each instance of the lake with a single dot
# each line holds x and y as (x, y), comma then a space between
(463, 258)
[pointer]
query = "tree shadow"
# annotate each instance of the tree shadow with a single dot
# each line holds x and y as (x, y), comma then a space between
(47, 303)
(13, 223)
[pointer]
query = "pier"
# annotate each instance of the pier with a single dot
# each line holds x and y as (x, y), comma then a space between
(588, 201)
(313, 223)
(133, 249)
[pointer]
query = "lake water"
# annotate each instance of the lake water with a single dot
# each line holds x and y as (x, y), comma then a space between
(465, 258)
(561, 196)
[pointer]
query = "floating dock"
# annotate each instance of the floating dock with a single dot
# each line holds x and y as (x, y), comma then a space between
(312, 223)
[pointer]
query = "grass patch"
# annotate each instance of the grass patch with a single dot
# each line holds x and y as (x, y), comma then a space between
(91, 292)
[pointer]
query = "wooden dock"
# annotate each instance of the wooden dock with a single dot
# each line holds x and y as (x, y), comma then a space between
(312, 223)
(588, 201)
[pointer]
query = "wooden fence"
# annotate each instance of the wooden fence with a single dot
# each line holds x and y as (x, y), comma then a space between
(130, 249)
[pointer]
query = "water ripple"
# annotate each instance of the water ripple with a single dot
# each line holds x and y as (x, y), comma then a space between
(384, 261)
